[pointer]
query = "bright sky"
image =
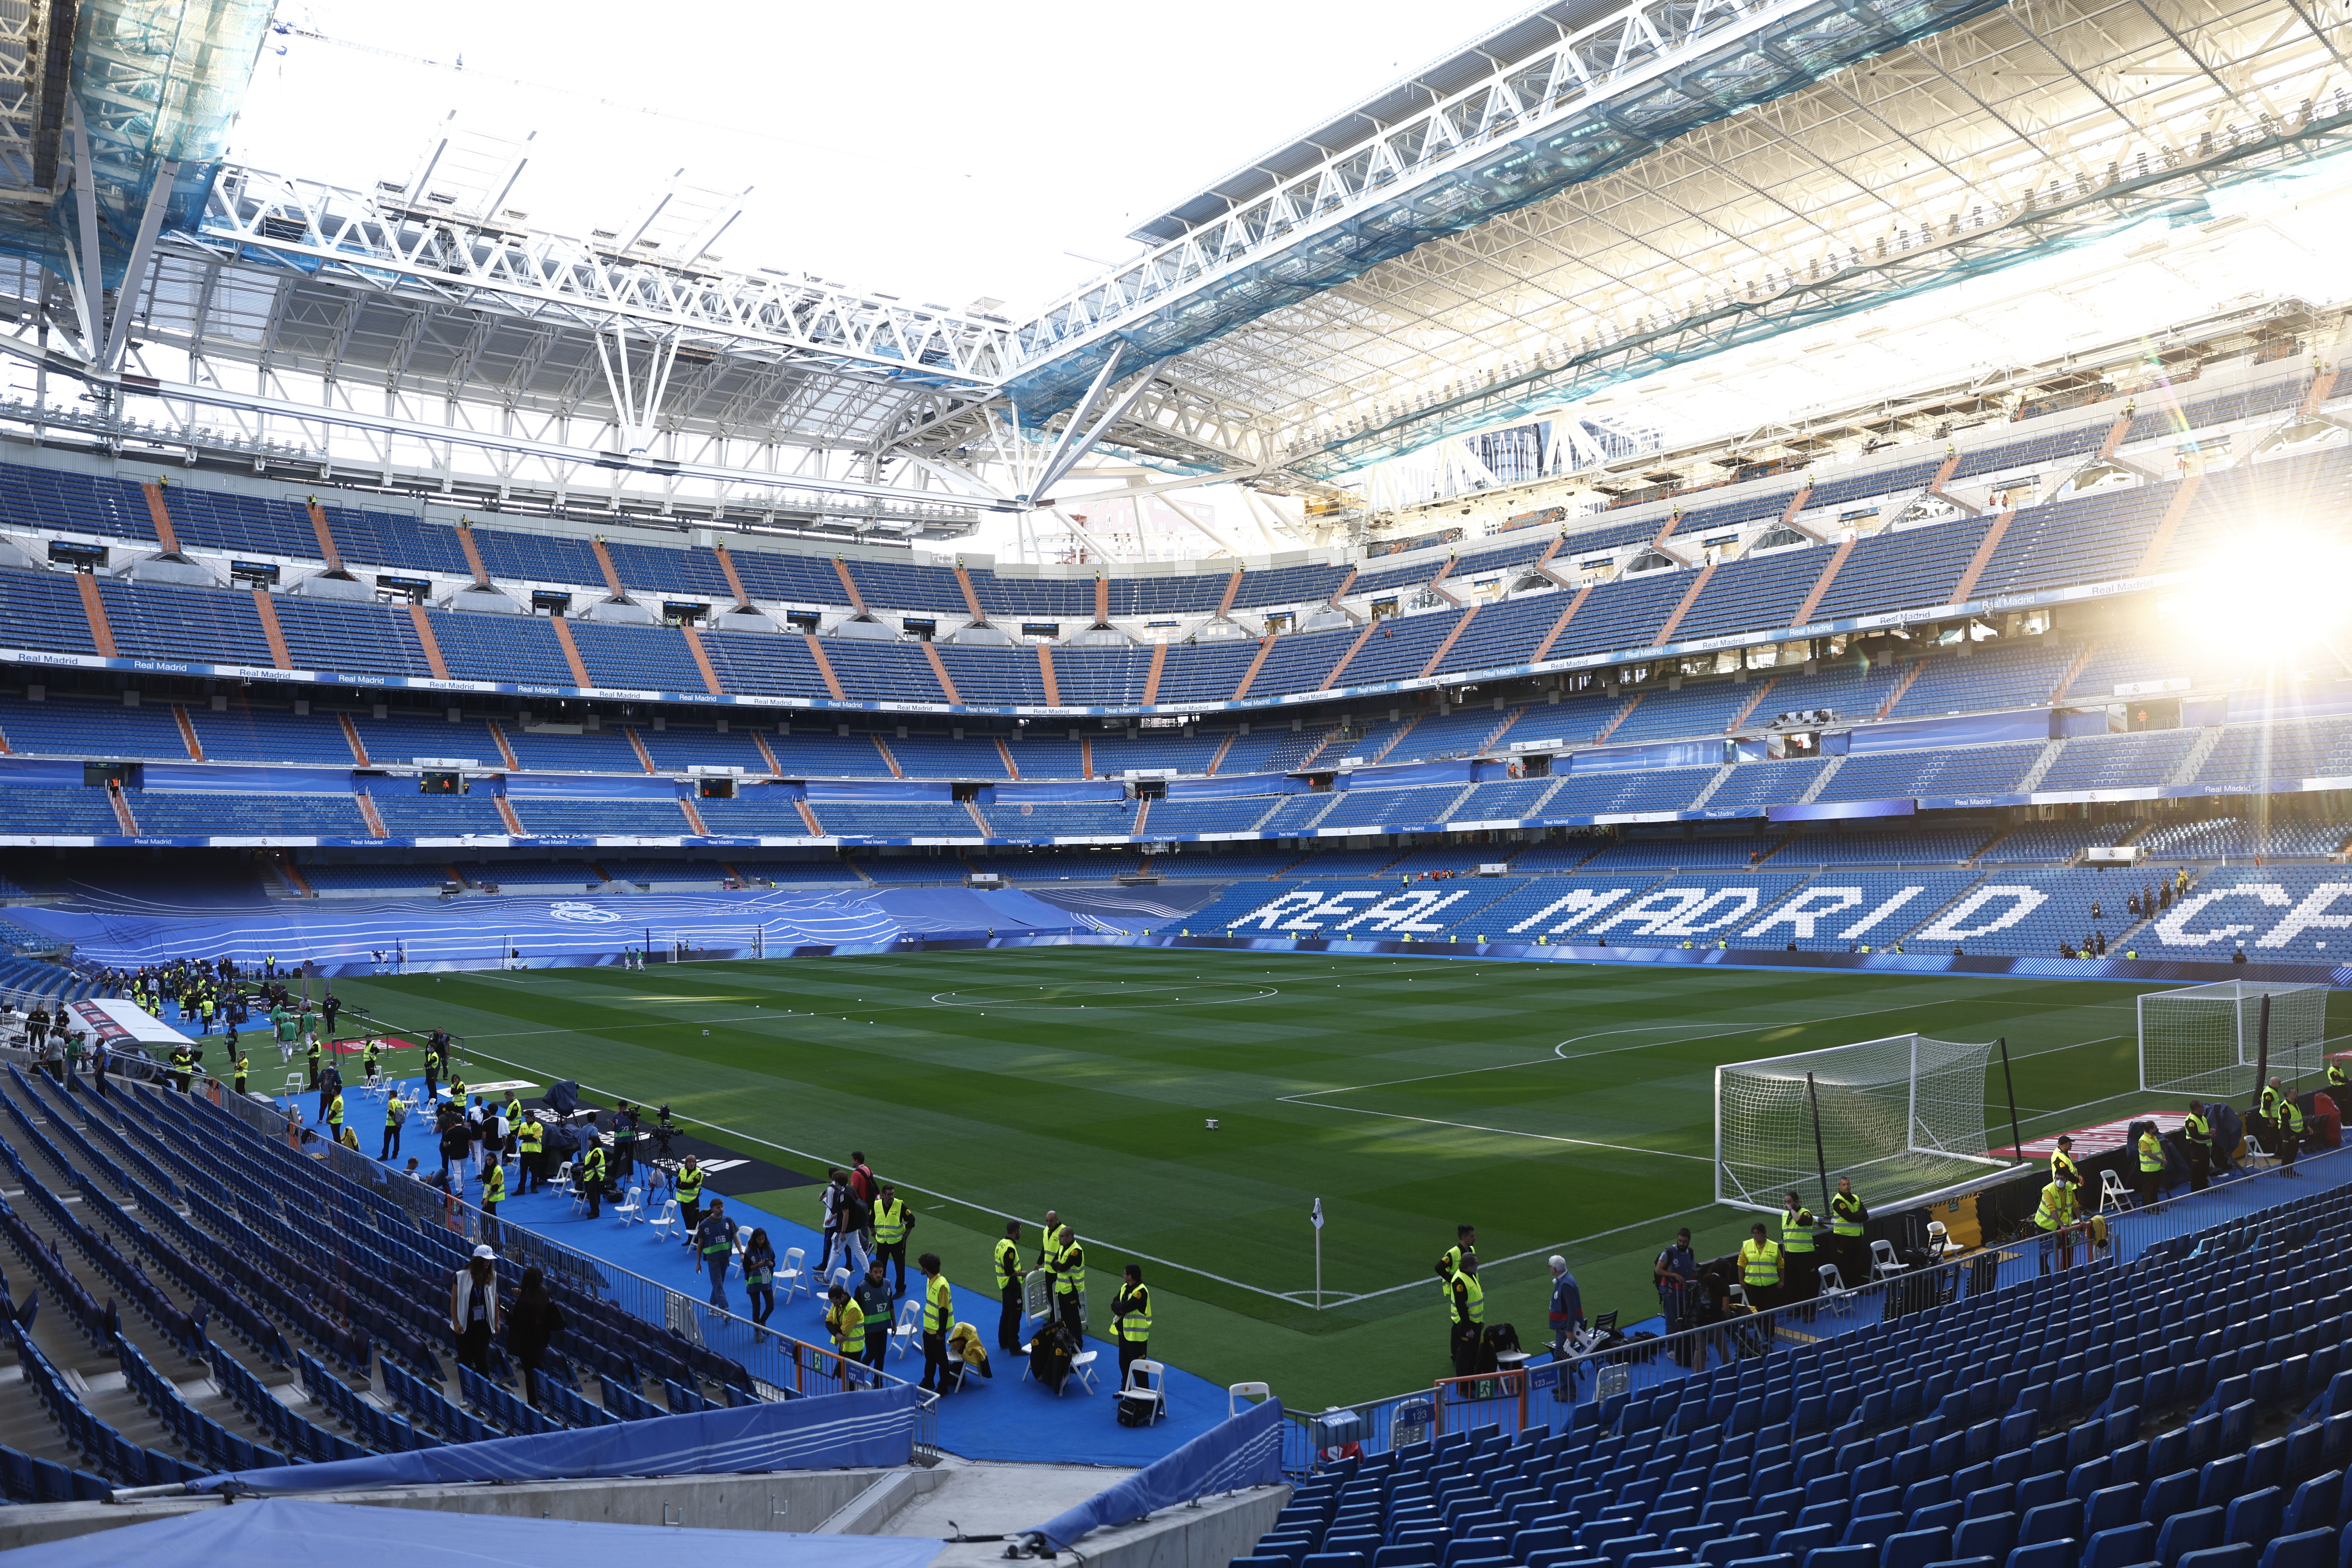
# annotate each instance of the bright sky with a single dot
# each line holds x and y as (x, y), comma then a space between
(923, 149)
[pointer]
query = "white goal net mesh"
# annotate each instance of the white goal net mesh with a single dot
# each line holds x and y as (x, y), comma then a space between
(1903, 1116)
(2206, 1041)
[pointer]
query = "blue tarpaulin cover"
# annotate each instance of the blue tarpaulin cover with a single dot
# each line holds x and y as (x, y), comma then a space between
(1246, 1451)
(833, 1431)
(350, 1535)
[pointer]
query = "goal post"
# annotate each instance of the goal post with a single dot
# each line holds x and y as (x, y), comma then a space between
(2206, 1041)
(1904, 1117)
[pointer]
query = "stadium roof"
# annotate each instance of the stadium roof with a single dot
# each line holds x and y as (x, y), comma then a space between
(1586, 194)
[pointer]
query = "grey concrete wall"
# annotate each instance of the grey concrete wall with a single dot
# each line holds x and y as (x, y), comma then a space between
(797, 1500)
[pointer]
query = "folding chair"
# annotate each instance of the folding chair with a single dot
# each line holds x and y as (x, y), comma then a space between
(1082, 1370)
(631, 1208)
(2113, 1195)
(1882, 1261)
(562, 1180)
(1834, 1290)
(2255, 1152)
(293, 1085)
(665, 1221)
(1147, 1379)
(792, 1272)
(909, 1330)
(1240, 1396)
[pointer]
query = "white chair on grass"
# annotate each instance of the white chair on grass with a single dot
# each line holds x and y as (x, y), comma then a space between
(2114, 1196)
(1241, 1397)
(631, 1209)
(1883, 1264)
(1147, 1379)
(908, 1332)
(665, 1221)
(792, 1272)
(293, 1085)
(1082, 1370)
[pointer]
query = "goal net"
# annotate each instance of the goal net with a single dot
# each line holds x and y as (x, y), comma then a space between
(1904, 1117)
(2206, 1041)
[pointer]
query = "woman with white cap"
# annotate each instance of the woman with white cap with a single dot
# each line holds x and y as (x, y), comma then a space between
(474, 1309)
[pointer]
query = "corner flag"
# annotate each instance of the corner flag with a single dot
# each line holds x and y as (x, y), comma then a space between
(1319, 1213)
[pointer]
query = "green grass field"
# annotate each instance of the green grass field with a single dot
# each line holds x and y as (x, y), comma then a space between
(1559, 1107)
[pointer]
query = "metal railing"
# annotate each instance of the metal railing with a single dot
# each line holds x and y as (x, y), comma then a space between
(1591, 1389)
(781, 1365)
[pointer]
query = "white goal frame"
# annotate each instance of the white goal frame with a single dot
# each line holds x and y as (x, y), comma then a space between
(1920, 1162)
(2220, 1063)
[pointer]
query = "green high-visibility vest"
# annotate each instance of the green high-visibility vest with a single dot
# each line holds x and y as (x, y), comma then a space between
(1070, 1270)
(939, 1305)
(1467, 1301)
(1760, 1262)
(531, 1137)
(890, 1221)
(2056, 1209)
(690, 1186)
(1796, 1231)
(494, 1190)
(1845, 1215)
(1008, 1264)
(2151, 1153)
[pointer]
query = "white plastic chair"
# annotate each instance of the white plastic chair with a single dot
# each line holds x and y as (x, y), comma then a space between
(792, 1273)
(840, 1278)
(1147, 1379)
(909, 1330)
(2255, 1152)
(1240, 1396)
(2113, 1195)
(665, 1221)
(563, 1182)
(1882, 1261)
(631, 1209)
(1832, 1289)
(1082, 1370)
(293, 1085)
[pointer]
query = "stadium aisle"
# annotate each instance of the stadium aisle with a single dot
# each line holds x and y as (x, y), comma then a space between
(1009, 1418)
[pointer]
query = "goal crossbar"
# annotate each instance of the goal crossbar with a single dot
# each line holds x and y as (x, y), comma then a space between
(1900, 1117)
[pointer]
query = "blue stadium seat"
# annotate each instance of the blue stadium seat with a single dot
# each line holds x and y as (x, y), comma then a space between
(2120, 1548)
(2239, 1556)
(2185, 1533)
(2306, 1549)
(1916, 1549)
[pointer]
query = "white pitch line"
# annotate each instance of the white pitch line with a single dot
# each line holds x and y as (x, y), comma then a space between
(1514, 1133)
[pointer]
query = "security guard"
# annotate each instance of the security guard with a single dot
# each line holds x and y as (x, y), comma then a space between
(845, 1326)
(310, 1053)
(1048, 1244)
(938, 1317)
(369, 1064)
(395, 1115)
(1130, 1320)
(1465, 1312)
(331, 1111)
(1465, 1241)
(1761, 1268)
(531, 1143)
(1802, 1279)
(688, 1189)
(2338, 1077)
(432, 1074)
(1008, 1287)
(184, 1066)
(2151, 1166)
(514, 1121)
(494, 1192)
(592, 1176)
(2286, 1125)
(2061, 1163)
(2196, 1135)
(242, 1064)
(1847, 1217)
(891, 1224)
(2053, 1217)
(1069, 1284)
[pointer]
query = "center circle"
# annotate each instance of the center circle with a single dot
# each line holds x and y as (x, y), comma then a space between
(1107, 993)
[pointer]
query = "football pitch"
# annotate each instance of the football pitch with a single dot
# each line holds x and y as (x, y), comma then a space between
(1559, 1108)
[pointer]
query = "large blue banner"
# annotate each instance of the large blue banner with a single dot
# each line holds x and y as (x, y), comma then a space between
(1246, 1451)
(829, 1432)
